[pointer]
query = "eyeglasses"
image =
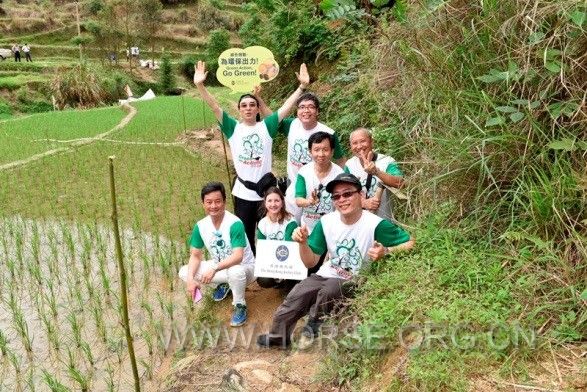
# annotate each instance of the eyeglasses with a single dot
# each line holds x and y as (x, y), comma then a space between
(343, 195)
(250, 105)
(309, 107)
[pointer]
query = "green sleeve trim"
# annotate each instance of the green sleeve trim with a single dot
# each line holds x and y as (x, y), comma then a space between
(317, 240)
(286, 125)
(338, 153)
(346, 169)
(238, 238)
(196, 240)
(300, 186)
(260, 236)
(272, 123)
(291, 226)
(389, 234)
(394, 170)
(227, 125)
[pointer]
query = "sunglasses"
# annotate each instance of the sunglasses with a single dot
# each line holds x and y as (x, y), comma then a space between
(343, 195)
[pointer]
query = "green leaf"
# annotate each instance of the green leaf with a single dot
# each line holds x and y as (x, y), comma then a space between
(584, 295)
(379, 3)
(493, 121)
(581, 145)
(578, 17)
(506, 109)
(534, 105)
(554, 66)
(564, 144)
(517, 116)
(536, 37)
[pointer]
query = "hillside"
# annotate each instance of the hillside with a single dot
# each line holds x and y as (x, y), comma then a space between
(482, 103)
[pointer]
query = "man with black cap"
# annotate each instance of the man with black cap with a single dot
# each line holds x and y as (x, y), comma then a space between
(351, 236)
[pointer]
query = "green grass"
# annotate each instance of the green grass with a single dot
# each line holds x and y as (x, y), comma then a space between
(24, 137)
(16, 81)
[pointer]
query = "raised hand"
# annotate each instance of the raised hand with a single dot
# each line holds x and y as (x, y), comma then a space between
(256, 90)
(300, 234)
(367, 162)
(376, 251)
(303, 76)
(200, 72)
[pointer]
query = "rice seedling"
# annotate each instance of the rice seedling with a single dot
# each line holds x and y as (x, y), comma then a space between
(83, 380)
(3, 344)
(76, 328)
(52, 382)
(21, 325)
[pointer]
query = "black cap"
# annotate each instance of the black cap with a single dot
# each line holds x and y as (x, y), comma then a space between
(345, 178)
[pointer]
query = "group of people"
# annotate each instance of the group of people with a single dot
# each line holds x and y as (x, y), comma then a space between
(338, 212)
(26, 49)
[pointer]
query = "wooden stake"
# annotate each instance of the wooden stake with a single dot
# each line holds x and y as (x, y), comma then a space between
(122, 274)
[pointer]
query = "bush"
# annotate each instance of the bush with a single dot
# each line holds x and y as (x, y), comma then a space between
(5, 110)
(218, 42)
(186, 67)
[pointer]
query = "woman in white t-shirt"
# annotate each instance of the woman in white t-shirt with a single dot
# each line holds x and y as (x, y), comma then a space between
(278, 224)
(250, 141)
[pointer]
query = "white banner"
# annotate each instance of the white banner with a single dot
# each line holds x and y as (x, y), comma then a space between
(279, 260)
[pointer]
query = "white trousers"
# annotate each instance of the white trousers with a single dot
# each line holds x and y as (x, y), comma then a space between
(237, 277)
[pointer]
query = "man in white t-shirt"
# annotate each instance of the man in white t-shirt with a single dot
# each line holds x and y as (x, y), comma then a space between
(298, 131)
(232, 265)
(373, 170)
(351, 236)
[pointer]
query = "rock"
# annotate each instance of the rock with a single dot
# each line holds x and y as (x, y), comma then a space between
(263, 375)
(234, 380)
(285, 387)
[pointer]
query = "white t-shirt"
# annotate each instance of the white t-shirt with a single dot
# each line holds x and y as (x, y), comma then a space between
(250, 147)
(385, 164)
(306, 183)
(269, 230)
(220, 242)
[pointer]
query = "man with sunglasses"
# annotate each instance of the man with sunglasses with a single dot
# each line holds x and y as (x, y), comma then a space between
(352, 237)
(232, 264)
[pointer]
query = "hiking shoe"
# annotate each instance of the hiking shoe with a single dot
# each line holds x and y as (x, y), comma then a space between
(221, 292)
(239, 315)
(275, 341)
(312, 328)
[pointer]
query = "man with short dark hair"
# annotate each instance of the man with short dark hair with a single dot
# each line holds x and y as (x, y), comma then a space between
(298, 130)
(232, 262)
(351, 236)
(376, 172)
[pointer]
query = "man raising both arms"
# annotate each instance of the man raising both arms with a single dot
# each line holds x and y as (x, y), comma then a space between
(250, 141)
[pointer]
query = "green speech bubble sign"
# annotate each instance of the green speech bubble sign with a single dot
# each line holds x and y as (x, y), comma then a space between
(243, 69)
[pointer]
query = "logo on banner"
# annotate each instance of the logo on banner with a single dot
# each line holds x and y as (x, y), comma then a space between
(281, 253)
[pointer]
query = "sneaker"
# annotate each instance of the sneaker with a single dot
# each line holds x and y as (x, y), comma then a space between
(276, 341)
(221, 292)
(239, 316)
(312, 328)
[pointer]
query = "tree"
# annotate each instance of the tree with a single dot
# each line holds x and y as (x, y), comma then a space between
(218, 42)
(150, 15)
(166, 76)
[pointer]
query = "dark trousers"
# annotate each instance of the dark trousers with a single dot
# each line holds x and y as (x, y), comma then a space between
(248, 212)
(28, 57)
(314, 295)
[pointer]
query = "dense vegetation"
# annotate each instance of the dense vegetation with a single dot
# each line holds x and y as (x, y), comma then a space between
(483, 102)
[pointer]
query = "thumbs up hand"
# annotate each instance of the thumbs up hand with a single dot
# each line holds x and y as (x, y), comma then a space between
(300, 234)
(376, 251)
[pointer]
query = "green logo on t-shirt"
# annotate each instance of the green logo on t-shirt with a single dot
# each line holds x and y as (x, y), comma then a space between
(219, 248)
(348, 256)
(252, 148)
(300, 155)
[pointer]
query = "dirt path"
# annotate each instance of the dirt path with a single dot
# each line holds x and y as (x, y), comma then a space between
(132, 111)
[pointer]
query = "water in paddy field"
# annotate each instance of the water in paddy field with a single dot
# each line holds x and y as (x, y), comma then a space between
(59, 304)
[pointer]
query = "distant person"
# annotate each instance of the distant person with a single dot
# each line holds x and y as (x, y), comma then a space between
(251, 142)
(376, 172)
(16, 51)
(277, 224)
(27, 52)
(298, 130)
(232, 265)
(351, 236)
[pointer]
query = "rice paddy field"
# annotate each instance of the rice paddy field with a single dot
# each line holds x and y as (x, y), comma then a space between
(60, 316)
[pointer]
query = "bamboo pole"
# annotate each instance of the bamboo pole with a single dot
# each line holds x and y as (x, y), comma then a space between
(122, 273)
